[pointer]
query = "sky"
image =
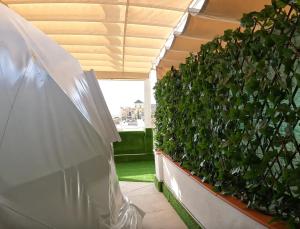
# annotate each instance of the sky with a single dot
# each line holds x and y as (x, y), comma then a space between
(120, 93)
(123, 93)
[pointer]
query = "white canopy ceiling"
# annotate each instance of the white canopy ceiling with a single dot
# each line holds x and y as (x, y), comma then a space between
(214, 17)
(124, 39)
(116, 38)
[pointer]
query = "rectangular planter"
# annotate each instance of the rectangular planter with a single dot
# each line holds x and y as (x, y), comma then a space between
(210, 209)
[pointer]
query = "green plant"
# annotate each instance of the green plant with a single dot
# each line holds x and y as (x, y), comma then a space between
(231, 113)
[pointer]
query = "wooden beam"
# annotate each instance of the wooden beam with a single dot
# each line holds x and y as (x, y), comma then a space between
(122, 75)
(103, 2)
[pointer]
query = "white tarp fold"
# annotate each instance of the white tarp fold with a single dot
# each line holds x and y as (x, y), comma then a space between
(56, 160)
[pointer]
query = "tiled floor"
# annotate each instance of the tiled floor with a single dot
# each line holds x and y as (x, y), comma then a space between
(159, 213)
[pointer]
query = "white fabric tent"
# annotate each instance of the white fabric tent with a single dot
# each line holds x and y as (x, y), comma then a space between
(119, 39)
(56, 160)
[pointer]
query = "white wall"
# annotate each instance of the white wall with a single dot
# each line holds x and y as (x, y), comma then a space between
(210, 211)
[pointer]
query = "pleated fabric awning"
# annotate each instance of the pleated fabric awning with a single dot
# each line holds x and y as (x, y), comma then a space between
(214, 17)
(117, 38)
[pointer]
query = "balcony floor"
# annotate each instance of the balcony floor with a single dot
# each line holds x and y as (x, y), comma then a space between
(159, 213)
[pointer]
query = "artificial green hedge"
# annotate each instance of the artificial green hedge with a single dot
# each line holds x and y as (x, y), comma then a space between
(231, 113)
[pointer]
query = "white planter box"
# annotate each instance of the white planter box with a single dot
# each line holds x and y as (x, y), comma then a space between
(206, 207)
(159, 173)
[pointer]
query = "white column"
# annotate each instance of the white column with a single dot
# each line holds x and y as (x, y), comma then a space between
(147, 103)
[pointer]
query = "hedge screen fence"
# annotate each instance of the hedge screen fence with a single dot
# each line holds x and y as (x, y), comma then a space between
(231, 113)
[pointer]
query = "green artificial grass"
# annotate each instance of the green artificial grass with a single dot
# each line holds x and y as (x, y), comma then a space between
(139, 171)
(133, 157)
(158, 184)
(134, 142)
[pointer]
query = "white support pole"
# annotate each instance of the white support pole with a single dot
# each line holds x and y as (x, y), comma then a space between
(147, 103)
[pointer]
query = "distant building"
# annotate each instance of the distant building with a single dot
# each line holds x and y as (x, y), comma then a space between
(127, 113)
(139, 109)
(133, 113)
(138, 104)
(117, 120)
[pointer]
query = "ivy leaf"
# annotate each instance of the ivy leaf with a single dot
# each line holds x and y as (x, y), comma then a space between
(280, 3)
(252, 85)
(297, 76)
(231, 113)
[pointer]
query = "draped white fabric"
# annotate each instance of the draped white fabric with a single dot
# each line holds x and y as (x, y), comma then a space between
(56, 160)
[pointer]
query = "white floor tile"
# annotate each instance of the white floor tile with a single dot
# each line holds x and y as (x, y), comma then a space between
(159, 213)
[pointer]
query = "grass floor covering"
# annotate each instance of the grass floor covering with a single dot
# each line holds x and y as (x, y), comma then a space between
(139, 171)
